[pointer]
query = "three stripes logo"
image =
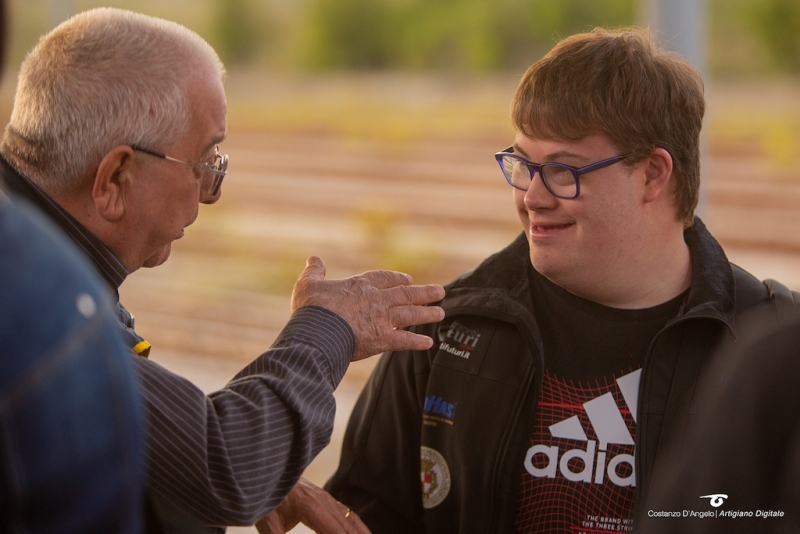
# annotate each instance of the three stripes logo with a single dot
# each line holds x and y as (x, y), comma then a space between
(609, 428)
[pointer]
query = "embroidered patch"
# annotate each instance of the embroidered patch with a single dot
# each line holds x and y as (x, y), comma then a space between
(437, 410)
(434, 477)
(460, 341)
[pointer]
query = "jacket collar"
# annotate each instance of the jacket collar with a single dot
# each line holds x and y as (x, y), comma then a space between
(106, 262)
(713, 288)
(712, 291)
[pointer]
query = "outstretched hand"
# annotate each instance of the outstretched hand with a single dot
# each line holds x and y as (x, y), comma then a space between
(316, 509)
(375, 304)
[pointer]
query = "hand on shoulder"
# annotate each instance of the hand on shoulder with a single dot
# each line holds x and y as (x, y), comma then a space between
(375, 304)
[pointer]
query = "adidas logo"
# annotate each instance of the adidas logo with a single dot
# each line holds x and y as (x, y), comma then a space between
(609, 426)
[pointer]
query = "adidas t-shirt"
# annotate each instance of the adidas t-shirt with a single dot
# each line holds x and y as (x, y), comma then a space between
(578, 473)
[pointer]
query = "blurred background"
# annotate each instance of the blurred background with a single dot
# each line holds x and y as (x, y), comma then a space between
(363, 131)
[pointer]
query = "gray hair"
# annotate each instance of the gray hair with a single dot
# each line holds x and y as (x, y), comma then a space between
(105, 77)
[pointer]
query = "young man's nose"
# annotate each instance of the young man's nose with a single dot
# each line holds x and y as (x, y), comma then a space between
(538, 196)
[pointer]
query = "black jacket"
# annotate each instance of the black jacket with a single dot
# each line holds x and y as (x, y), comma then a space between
(745, 443)
(482, 395)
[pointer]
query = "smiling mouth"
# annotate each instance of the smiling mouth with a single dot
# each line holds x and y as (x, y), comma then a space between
(544, 228)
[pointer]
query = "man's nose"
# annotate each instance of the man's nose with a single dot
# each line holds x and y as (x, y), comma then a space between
(538, 196)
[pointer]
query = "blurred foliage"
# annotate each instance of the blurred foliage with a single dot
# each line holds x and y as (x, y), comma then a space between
(237, 32)
(746, 38)
(348, 33)
(446, 34)
(777, 24)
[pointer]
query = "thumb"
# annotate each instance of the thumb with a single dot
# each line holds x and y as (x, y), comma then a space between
(315, 269)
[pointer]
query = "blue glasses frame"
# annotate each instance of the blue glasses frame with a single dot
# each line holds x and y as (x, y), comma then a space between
(534, 168)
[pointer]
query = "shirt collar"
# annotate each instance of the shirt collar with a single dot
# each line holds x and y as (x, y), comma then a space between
(108, 265)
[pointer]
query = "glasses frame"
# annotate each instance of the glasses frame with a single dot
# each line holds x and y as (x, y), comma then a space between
(219, 170)
(534, 168)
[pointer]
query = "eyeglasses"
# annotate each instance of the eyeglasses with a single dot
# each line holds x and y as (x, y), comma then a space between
(218, 167)
(563, 181)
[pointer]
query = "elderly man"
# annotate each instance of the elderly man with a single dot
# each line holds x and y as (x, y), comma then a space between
(567, 362)
(114, 135)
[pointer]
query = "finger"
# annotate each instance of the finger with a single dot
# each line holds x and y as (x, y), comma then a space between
(330, 516)
(402, 295)
(270, 524)
(405, 340)
(386, 279)
(402, 316)
(355, 525)
(315, 269)
(350, 523)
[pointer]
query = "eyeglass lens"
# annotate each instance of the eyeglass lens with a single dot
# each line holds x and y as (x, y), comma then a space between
(559, 180)
(220, 164)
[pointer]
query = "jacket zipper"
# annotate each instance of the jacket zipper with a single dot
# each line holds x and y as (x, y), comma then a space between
(536, 378)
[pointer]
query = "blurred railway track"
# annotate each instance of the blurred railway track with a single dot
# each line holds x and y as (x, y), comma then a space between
(434, 210)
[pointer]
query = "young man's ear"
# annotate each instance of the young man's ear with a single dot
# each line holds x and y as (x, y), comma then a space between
(111, 182)
(658, 170)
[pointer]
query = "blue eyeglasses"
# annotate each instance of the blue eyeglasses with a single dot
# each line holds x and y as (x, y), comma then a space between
(563, 181)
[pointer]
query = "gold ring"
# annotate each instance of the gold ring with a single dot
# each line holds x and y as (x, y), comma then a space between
(347, 513)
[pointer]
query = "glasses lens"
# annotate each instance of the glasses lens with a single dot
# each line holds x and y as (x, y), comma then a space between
(221, 165)
(560, 181)
(216, 184)
(516, 172)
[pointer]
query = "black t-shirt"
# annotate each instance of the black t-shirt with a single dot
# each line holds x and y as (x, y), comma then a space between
(578, 473)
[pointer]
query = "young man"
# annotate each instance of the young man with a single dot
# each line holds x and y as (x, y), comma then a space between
(567, 361)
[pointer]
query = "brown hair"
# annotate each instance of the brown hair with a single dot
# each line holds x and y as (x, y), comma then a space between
(622, 85)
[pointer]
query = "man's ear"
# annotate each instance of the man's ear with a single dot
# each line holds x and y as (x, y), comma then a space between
(112, 181)
(658, 171)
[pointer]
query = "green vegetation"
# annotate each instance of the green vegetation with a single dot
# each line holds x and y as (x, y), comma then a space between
(238, 31)
(348, 34)
(447, 34)
(746, 38)
(777, 25)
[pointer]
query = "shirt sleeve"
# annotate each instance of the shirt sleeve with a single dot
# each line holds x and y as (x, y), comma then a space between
(230, 457)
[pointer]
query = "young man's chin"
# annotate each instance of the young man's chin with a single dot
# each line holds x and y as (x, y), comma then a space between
(552, 264)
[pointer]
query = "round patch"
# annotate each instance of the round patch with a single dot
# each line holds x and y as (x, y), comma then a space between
(434, 476)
